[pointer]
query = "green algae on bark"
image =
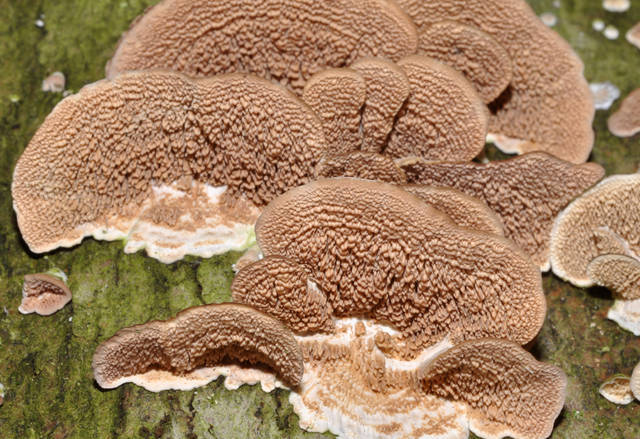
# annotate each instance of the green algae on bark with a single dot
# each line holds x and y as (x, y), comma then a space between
(46, 361)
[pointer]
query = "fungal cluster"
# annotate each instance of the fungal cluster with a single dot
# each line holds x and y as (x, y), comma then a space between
(393, 282)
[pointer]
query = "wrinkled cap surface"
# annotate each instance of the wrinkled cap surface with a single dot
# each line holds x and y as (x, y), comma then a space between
(361, 164)
(199, 337)
(375, 249)
(619, 273)
(617, 389)
(43, 294)
(286, 41)
(526, 192)
(100, 150)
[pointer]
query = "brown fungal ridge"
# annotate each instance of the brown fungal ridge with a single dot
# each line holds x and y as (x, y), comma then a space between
(198, 337)
(282, 40)
(360, 164)
(618, 273)
(285, 290)
(472, 52)
(99, 151)
(547, 105)
(625, 122)
(43, 294)
(377, 250)
(443, 117)
(508, 391)
(526, 192)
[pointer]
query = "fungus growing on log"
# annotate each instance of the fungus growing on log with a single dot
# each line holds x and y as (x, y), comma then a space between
(576, 238)
(626, 121)
(508, 392)
(472, 52)
(547, 105)
(183, 352)
(44, 294)
(633, 35)
(526, 192)
(443, 118)
(336, 96)
(176, 165)
(375, 249)
(285, 290)
(360, 164)
(281, 40)
(387, 89)
(619, 273)
(617, 390)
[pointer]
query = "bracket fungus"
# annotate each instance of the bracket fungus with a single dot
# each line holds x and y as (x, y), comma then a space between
(360, 164)
(285, 290)
(375, 249)
(619, 273)
(282, 40)
(634, 382)
(526, 192)
(617, 390)
(547, 105)
(633, 35)
(176, 165)
(187, 351)
(626, 121)
(44, 293)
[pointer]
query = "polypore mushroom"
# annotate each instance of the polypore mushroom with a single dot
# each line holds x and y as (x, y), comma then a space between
(176, 165)
(547, 105)
(626, 121)
(526, 192)
(360, 164)
(387, 89)
(285, 290)
(508, 392)
(375, 249)
(182, 352)
(282, 40)
(635, 382)
(337, 95)
(618, 273)
(44, 294)
(444, 118)
(577, 235)
(617, 389)
(469, 50)
(633, 35)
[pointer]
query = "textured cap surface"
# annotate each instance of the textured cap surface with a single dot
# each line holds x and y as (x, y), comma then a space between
(43, 294)
(619, 273)
(361, 164)
(626, 121)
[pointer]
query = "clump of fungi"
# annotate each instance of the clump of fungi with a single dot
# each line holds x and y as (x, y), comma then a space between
(394, 281)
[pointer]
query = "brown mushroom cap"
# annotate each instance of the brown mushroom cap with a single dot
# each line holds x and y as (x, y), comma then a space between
(198, 337)
(626, 121)
(283, 40)
(633, 35)
(285, 290)
(508, 391)
(617, 389)
(635, 382)
(463, 210)
(374, 248)
(618, 273)
(474, 53)
(526, 192)
(387, 89)
(613, 203)
(100, 150)
(361, 164)
(547, 105)
(336, 96)
(444, 118)
(43, 294)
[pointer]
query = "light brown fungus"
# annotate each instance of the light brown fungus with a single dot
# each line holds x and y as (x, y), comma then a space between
(43, 294)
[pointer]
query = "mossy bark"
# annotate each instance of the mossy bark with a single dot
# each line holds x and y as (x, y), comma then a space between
(45, 362)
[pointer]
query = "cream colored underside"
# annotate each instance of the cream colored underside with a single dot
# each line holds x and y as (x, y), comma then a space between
(626, 313)
(178, 220)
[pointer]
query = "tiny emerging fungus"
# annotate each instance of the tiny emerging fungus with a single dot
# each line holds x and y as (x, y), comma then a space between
(617, 389)
(526, 192)
(44, 294)
(633, 35)
(626, 121)
(183, 352)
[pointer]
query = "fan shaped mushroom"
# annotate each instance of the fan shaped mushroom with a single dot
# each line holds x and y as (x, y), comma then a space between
(472, 52)
(282, 40)
(172, 354)
(44, 294)
(375, 249)
(617, 389)
(618, 273)
(155, 146)
(387, 89)
(547, 105)
(633, 35)
(526, 192)
(285, 290)
(443, 118)
(576, 238)
(626, 121)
